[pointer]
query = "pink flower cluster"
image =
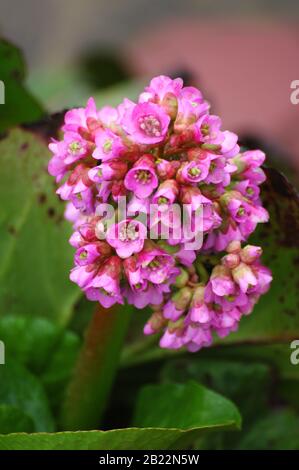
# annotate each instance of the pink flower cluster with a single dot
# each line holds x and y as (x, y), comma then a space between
(165, 149)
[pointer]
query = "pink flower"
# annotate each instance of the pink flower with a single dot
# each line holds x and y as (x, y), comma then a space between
(82, 120)
(104, 287)
(108, 171)
(146, 123)
(166, 193)
(193, 172)
(221, 281)
(141, 179)
(127, 237)
(229, 145)
(178, 303)
(159, 87)
(156, 265)
(188, 187)
(207, 129)
(108, 145)
(199, 311)
(141, 298)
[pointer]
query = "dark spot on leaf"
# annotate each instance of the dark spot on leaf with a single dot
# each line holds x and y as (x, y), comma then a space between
(51, 212)
(290, 312)
(12, 230)
(59, 219)
(41, 198)
(24, 146)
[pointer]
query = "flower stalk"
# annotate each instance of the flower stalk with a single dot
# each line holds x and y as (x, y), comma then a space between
(94, 373)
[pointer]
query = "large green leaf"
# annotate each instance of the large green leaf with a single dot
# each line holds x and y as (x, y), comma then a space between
(186, 406)
(20, 106)
(183, 414)
(36, 257)
(118, 439)
(20, 389)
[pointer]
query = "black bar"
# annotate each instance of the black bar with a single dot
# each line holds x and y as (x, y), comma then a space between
(134, 459)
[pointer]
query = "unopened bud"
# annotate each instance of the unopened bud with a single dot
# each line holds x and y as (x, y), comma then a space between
(182, 278)
(250, 253)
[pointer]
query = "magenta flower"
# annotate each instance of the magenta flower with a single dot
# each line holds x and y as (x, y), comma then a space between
(127, 237)
(108, 145)
(156, 265)
(159, 87)
(166, 193)
(104, 287)
(194, 172)
(108, 171)
(142, 178)
(82, 120)
(192, 200)
(146, 123)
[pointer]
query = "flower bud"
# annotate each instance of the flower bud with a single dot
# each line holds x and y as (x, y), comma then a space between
(181, 279)
(249, 254)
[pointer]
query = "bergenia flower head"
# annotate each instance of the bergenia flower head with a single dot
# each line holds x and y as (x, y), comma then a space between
(171, 161)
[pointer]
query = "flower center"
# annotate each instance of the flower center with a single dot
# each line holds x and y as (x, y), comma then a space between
(154, 265)
(143, 176)
(107, 146)
(75, 148)
(162, 200)
(194, 172)
(83, 255)
(241, 211)
(205, 129)
(105, 292)
(230, 298)
(128, 233)
(150, 125)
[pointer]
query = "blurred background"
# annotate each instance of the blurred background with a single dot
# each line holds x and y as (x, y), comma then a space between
(243, 55)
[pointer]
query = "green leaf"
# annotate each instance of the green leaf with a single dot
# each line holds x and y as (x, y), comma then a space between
(20, 106)
(118, 439)
(20, 389)
(38, 338)
(233, 379)
(184, 406)
(14, 420)
(36, 257)
(190, 411)
(45, 348)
